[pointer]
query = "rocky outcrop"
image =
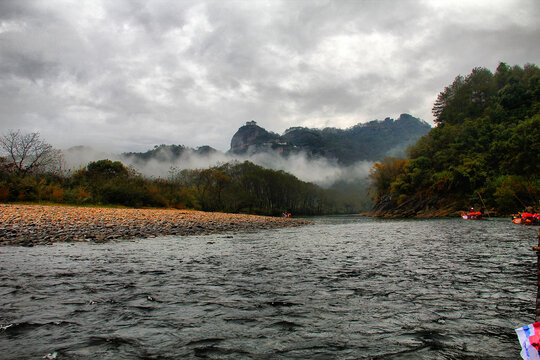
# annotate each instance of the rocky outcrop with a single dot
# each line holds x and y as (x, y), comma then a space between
(251, 138)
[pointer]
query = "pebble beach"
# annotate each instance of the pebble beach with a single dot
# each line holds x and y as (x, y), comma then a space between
(30, 225)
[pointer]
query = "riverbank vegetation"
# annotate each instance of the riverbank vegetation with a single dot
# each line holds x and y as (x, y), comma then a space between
(485, 150)
(237, 187)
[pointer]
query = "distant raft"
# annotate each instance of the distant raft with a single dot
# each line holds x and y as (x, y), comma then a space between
(471, 215)
(526, 219)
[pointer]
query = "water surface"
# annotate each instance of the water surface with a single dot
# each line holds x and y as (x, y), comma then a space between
(345, 287)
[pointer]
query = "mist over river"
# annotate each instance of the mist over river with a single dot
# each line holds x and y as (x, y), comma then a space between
(345, 287)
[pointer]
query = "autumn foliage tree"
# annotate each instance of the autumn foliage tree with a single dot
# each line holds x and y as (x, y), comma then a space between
(384, 173)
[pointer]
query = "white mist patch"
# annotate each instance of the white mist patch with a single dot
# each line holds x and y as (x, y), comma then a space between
(155, 168)
(79, 156)
(321, 171)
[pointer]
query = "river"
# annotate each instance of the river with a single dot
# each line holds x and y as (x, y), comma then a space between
(344, 287)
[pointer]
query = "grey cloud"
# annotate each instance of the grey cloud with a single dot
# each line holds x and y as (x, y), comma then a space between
(126, 75)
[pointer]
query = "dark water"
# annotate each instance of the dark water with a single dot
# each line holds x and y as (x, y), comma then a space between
(345, 287)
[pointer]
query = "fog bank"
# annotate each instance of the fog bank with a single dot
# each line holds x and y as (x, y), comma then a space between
(321, 171)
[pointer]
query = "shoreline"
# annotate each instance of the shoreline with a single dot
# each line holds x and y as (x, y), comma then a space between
(29, 225)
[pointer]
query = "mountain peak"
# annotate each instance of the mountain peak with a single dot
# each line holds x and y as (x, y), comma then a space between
(250, 134)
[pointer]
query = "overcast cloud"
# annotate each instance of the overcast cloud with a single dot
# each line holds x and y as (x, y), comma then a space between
(126, 75)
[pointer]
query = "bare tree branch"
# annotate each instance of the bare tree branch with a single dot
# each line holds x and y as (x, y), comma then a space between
(29, 154)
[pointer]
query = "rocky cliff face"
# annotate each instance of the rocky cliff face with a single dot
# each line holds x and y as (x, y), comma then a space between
(370, 141)
(251, 138)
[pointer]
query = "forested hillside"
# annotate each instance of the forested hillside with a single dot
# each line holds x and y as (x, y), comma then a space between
(484, 150)
(250, 188)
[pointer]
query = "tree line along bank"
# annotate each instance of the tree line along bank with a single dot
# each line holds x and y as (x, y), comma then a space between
(236, 187)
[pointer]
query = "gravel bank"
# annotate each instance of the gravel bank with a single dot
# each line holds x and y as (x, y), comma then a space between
(30, 225)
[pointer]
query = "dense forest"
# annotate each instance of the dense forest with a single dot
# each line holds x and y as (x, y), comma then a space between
(484, 151)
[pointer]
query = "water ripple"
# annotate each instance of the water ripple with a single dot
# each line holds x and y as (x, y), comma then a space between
(346, 287)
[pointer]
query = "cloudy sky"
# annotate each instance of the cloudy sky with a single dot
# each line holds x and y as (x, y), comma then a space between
(126, 75)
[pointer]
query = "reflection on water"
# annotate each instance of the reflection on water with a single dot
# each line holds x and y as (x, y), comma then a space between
(345, 287)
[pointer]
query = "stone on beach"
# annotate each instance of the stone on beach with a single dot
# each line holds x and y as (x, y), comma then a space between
(31, 225)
